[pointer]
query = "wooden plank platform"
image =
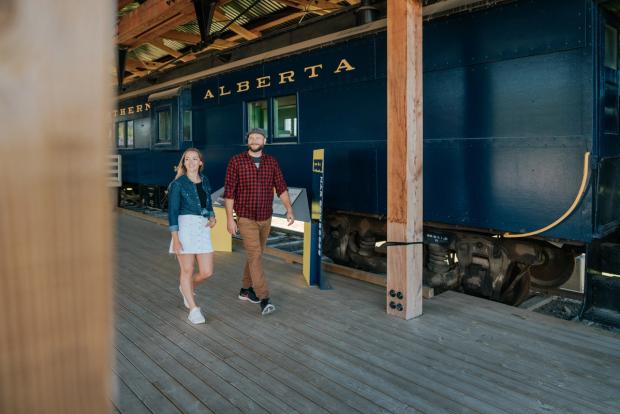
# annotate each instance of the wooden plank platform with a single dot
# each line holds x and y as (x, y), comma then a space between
(337, 351)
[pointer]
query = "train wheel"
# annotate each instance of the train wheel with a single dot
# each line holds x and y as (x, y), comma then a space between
(516, 288)
(556, 269)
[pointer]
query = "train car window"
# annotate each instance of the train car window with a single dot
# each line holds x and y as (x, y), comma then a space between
(164, 126)
(610, 114)
(611, 47)
(142, 133)
(258, 115)
(187, 125)
(285, 118)
(120, 134)
(130, 134)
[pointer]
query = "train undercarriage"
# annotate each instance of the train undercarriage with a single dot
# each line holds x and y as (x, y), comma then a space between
(479, 264)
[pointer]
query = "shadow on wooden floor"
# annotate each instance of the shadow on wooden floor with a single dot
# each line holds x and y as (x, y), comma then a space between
(337, 351)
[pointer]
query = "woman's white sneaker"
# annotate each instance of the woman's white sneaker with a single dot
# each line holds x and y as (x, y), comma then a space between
(196, 317)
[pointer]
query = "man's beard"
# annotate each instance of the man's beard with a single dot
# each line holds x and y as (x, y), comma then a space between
(259, 149)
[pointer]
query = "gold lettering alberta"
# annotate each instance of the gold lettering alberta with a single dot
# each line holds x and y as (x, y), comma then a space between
(130, 110)
(281, 78)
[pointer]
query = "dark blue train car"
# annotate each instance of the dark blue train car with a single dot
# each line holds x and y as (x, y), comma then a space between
(514, 96)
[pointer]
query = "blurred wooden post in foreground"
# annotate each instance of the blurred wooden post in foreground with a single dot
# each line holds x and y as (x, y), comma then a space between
(404, 151)
(55, 219)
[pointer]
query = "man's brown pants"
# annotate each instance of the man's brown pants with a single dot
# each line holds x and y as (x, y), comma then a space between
(254, 234)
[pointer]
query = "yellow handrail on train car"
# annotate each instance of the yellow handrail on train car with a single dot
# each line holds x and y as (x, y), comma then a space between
(582, 189)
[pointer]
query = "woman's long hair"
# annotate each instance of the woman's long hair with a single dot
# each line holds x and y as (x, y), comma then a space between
(181, 166)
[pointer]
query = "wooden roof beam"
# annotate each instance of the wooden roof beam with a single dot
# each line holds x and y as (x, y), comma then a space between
(270, 24)
(323, 4)
(188, 58)
(280, 21)
(326, 4)
(146, 20)
(223, 43)
(133, 76)
(135, 65)
(159, 44)
(320, 7)
(164, 28)
(139, 68)
(149, 65)
(189, 38)
(235, 27)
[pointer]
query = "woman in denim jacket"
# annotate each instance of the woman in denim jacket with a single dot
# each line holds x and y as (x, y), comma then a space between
(190, 218)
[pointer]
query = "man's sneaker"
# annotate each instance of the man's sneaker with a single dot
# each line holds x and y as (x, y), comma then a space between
(248, 294)
(184, 300)
(266, 307)
(196, 317)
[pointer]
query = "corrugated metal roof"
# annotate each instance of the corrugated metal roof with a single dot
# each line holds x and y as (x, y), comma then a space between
(128, 8)
(236, 8)
(261, 9)
(173, 44)
(146, 53)
(191, 27)
(248, 13)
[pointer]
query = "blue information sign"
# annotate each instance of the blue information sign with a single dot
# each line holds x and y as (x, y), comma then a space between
(316, 246)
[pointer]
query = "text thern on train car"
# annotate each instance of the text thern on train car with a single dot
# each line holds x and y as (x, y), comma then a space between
(132, 109)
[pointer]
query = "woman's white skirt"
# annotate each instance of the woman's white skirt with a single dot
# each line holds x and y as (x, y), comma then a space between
(194, 234)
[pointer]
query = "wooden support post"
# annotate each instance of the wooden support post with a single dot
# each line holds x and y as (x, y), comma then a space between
(55, 217)
(404, 149)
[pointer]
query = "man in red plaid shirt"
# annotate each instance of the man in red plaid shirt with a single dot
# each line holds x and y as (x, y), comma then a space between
(248, 189)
